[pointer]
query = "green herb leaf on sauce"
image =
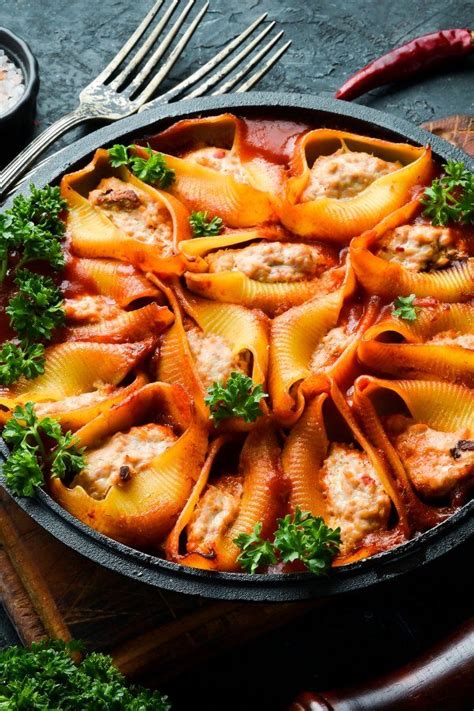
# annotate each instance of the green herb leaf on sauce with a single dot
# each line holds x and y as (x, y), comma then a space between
(239, 397)
(202, 226)
(30, 439)
(307, 538)
(33, 228)
(20, 359)
(256, 552)
(37, 308)
(405, 308)
(301, 536)
(118, 155)
(153, 170)
(450, 198)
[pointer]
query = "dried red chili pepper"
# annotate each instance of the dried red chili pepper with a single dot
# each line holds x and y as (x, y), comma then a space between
(419, 54)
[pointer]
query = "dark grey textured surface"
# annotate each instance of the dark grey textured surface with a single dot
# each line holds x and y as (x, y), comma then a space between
(74, 40)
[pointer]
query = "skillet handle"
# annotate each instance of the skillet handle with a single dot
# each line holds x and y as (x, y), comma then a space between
(442, 678)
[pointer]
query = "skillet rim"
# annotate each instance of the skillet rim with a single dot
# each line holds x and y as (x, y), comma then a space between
(398, 561)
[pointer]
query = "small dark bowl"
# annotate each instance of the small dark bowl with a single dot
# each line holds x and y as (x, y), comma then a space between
(17, 124)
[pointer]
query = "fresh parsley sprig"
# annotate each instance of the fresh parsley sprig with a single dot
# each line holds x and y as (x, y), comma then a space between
(45, 677)
(33, 228)
(21, 359)
(450, 198)
(27, 435)
(203, 226)
(405, 308)
(302, 537)
(256, 552)
(153, 170)
(37, 307)
(306, 538)
(34, 311)
(239, 397)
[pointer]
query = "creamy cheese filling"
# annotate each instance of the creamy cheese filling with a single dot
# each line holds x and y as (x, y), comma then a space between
(329, 348)
(216, 512)
(121, 457)
(220, 159)
(213, 356)
(345, 174)
(453, 338)
(75, 402)
(431, 458)
(91, 308)
(135, 213)
(419, 247)
(271, 261)
(356, 500)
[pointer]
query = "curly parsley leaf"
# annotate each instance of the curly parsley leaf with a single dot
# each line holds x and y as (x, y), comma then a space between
(118, 155)
(36, 310)
(17, 360)
(26, 434)
(22, 470)
(405, 308)
(66, 459)
(256, 552)
(302, 537)
(450, 198)
(33, 228)
(307, 538)
(202, 226)
(239, 397)
(45, 677)
(153, 170)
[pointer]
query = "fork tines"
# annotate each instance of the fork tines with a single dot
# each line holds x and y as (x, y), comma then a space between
(127, 76)
(185, 88)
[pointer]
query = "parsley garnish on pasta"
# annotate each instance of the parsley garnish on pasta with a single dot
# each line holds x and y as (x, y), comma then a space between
(204, 226)
(30, 440)
(153, 169)
(300, 536)
(239, 397)
(450, 198)
(405, 307)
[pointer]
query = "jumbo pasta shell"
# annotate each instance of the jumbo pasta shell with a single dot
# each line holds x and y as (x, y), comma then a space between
(141, 512)
(128, 327)
(93, 234)
(245, 331)
(272, 298)
(295, 335)
(73, 414)
(389, 279)
(75, 368)
(415, 358)
(443, 406)
(340, 219)
(262, 487)
(110, 277)
(307, 446)
(200, 187)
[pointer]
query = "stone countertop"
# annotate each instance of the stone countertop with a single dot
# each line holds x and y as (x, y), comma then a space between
(75, 40)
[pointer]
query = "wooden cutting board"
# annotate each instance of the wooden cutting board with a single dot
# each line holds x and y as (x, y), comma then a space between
(48, 589)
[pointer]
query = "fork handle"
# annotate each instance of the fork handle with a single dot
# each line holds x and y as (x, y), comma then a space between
(13, 171)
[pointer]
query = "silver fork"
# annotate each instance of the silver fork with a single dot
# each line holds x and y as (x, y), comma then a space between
(109, 96)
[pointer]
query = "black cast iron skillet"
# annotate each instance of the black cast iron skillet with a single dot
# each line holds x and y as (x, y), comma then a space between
(456, 530)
